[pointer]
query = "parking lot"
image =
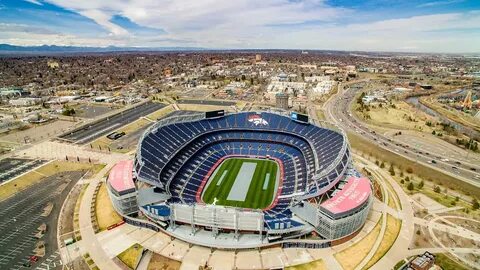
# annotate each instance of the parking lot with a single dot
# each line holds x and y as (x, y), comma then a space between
(21, 215)
(92, 110)
(13, 167)
(92, 131)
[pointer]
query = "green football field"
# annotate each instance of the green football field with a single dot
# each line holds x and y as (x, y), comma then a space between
(243, 182)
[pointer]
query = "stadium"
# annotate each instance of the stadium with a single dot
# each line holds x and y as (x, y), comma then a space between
(243, 180)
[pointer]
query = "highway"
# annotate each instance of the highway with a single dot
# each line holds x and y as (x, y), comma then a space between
(338, 111)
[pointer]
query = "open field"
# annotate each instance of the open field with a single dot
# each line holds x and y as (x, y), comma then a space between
(452, 114)
(391, 233)
(350, 257)
(357, 142)
(36, 176)
(401, 116)
(37, 132)
(241, 182)
(106, 215)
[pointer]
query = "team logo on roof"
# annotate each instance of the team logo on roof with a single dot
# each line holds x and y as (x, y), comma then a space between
(257, 120)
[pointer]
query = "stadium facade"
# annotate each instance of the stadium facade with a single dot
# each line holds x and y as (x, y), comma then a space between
(316, 190)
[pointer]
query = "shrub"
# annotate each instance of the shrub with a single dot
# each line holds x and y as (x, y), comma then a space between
(410, 186)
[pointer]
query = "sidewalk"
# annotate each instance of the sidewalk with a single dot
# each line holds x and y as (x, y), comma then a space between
(89, 241)
(399, 249)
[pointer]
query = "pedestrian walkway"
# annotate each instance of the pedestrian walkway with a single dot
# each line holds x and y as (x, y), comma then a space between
(90, 241)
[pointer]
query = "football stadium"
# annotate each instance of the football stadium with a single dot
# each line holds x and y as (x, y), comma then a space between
(243, 180)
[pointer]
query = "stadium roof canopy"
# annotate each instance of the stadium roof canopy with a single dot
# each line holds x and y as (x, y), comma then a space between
(121, 177)
(353, 195)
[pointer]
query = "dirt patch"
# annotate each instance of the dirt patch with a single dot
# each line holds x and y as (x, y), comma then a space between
(159, 262)
(471, 225)
(455, 241)
(421, 238)
(428, 203)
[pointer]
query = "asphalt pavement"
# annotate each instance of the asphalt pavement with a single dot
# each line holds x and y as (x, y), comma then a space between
(13, 167)
(20, 216)
(94, 130)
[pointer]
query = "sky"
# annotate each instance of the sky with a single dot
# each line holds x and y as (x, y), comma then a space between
(444, 26)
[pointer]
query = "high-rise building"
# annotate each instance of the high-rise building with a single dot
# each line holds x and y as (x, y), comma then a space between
(281, 100)
(258, 58)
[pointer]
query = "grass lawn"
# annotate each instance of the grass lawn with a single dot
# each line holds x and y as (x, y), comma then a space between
(391, 233)
(350, 257)
(106, 215)
(262, 183)
(317, 265)
(446, 263)
(36, 176)
(130, 256)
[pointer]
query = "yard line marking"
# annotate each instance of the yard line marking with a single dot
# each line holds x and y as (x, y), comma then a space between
(221, 177)
(267, 179)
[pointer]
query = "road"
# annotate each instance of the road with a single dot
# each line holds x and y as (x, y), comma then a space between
(338, 111)
(21, 215)
(94, 130)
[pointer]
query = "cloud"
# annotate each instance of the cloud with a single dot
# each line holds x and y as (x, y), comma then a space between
(295, 24)
(176, 16)
(36, 2)
(440, 3)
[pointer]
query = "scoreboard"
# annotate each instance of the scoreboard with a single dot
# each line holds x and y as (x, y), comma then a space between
(212, 114)
(299, 117)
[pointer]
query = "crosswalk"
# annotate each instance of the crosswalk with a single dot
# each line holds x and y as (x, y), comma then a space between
(51, 262)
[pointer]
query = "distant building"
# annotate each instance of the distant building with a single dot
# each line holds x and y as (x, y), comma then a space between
(308, 66)
(53, 64)
(426, 86)
(281, 100)
(323, 87)
(25, 102)
(258, 58)
(167, 72)
(422, 262)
